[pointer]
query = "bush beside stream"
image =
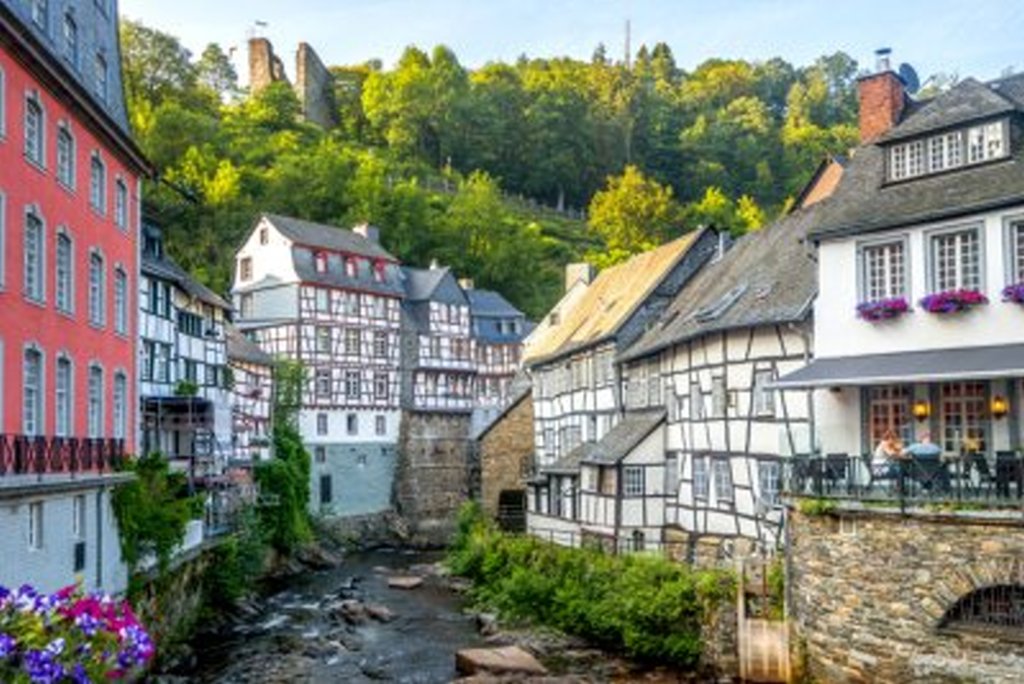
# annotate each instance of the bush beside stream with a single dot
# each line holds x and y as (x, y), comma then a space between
(642, 605)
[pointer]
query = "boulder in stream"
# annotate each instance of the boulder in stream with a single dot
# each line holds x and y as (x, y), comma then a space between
(497, 661)
(405, 582)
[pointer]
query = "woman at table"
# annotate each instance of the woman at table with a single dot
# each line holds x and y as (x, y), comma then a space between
(885, 463)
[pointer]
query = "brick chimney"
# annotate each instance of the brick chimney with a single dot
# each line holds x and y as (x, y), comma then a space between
(579, 271)
(882, 97)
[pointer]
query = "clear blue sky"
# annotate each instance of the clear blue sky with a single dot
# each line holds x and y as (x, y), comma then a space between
(977, 38)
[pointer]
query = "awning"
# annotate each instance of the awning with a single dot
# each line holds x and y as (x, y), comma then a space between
(934, 365)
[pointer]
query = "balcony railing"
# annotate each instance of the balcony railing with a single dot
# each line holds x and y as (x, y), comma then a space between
(24, 455)
(972, 479)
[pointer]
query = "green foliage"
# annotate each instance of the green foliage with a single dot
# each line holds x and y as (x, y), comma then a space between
(647, 606)
(816, 507)
(430, 151)
(152, 511)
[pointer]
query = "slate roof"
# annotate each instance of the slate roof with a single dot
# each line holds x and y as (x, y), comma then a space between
(772, 271)
(863, 202)
(609, 301)
(166, 269)
(327, 237)
(241, 348)
(623, 438)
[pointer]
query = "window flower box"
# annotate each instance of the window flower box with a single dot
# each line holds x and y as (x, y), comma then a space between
(883, 309)
(952, 301)
(1014, 293)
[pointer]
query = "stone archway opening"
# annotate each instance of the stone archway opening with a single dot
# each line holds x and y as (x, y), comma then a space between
(995, 610)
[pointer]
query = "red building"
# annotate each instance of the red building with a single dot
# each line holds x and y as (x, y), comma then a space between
(70, 181)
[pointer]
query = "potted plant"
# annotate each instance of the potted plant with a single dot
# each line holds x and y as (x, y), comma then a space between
(952, 301)
(883, 309)
(1014, 293)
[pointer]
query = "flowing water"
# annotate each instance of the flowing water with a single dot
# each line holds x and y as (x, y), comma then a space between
(298, 635)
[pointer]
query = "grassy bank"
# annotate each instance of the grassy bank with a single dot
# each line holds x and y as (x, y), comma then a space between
(644, 606)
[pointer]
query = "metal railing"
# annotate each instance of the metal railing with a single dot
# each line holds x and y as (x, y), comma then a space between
(39, 455)
(972, 478)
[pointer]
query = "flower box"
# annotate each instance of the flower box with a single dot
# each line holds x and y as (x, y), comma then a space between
(883, 309)
(1014, 293)
(952, 301)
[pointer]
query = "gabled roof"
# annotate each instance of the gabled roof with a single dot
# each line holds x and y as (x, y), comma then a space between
(623, 438)
(969, 100)
(864, 202)
(767, 277)
(167, 269)
(326, 237)
(241, 348)
(609, 301)
(433, 285)
(490, 303)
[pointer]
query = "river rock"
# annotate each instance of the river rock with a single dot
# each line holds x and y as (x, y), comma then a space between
(502, 660)
(378, 612)
(405, 582)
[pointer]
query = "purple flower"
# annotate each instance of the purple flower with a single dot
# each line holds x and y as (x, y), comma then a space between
(7, 645)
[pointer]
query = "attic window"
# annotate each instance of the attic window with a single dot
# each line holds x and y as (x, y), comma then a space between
(710, 313)
(949, 150)
(320, 262)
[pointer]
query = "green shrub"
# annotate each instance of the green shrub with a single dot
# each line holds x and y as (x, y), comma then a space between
(644, 605)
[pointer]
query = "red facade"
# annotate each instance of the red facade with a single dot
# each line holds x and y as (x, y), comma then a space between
(29, 189)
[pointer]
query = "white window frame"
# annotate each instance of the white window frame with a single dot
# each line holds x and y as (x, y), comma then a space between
(35, 526)
(64, 396)
(120, 300)
(38, 157)
(94, 401)
(633, 481)
(37, 291)
(97, 289)
(37, 414)
(724, 489)
(936, 281)
(119, 395)
(65, 162)
(893, 269)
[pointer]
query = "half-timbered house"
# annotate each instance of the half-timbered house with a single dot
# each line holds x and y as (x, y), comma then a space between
(185, 399)
(498, 330)
(252, 390)
(330, 298)
(708, 363)
(577, 399)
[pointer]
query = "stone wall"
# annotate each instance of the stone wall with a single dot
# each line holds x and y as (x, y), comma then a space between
(432, 479)
(314, 86)
(506, 453)
(869, 589)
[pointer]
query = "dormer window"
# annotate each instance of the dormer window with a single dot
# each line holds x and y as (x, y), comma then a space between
(320, 262)
(950, 150)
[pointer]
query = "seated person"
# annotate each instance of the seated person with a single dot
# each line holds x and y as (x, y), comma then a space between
(888, 453)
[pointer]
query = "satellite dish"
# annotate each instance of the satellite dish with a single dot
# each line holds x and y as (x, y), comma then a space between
(909, 77)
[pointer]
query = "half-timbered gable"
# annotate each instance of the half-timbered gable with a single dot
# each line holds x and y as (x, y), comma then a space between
(438, 363)
(330, 299)
(183, 374)
(498, 330)
(709, 362)
(252, 393)
(577, 398)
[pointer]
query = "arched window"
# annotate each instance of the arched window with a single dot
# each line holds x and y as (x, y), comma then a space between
(995, 609)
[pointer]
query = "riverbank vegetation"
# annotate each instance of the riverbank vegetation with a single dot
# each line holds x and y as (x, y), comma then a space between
(644, 606)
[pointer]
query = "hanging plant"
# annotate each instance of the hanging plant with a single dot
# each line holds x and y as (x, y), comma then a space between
(952, 301)
(883, 309)
(1014, 293)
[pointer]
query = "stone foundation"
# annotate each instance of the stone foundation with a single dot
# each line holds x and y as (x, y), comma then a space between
(432, 480)
(869, 590)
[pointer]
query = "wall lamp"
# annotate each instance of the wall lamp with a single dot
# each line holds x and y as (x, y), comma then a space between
(921, 409)
(999, 407)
